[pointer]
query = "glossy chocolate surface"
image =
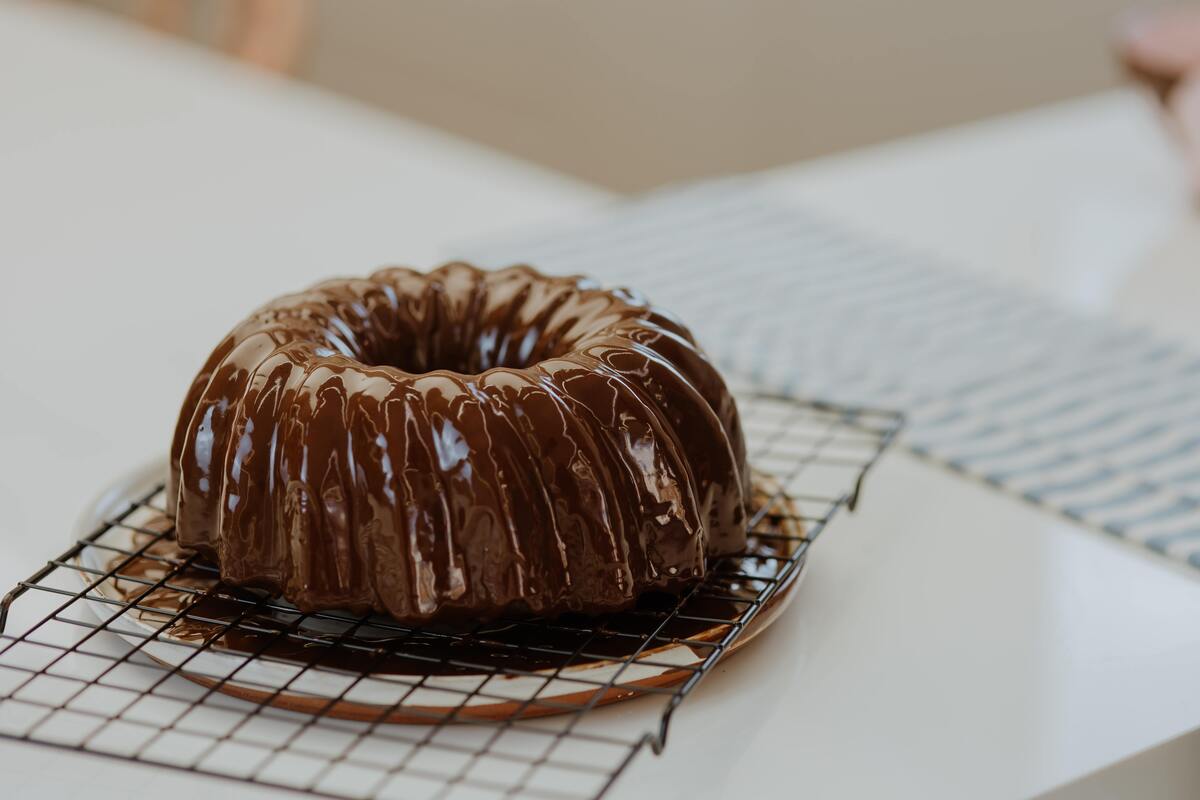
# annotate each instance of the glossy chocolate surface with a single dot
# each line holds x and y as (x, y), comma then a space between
(186, 601)
(458, 445)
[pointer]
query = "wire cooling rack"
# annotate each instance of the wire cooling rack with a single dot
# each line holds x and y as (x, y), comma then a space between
(76, 673)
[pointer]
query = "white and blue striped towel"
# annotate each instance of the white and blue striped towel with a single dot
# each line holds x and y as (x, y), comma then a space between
(1080, 415)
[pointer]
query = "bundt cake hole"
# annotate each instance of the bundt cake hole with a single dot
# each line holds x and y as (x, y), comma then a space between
(464, 355)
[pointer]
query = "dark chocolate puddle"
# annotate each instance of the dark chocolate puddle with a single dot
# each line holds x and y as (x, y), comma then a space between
(192, 605)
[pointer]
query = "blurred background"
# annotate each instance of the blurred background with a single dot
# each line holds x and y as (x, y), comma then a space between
(631, 95)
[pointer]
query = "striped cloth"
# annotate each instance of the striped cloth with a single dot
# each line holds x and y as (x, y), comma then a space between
(1079, 415)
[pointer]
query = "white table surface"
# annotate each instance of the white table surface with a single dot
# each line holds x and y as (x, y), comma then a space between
(948, 642)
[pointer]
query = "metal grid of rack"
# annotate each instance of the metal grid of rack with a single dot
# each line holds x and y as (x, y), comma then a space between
(509, 708)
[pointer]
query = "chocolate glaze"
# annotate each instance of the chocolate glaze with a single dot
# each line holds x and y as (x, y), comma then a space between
(201, 608)
(459, 445)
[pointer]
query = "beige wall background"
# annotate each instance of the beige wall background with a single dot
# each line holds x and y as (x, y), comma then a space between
(632, 95)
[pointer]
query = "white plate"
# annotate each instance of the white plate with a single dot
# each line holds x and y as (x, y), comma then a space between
(307, 678)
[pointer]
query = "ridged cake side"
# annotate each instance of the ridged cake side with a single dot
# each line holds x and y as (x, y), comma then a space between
(459, 444)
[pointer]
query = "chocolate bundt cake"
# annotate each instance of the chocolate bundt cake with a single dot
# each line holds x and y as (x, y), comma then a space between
(459, 445)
